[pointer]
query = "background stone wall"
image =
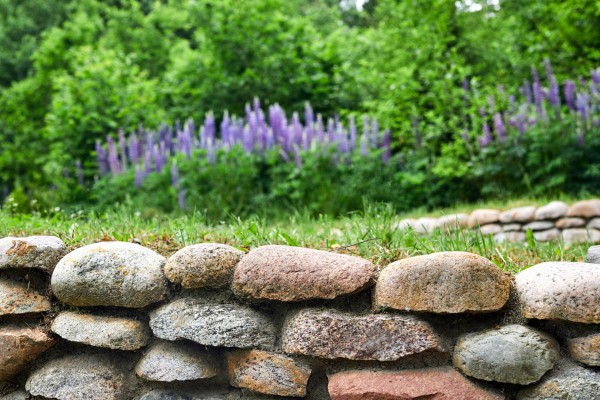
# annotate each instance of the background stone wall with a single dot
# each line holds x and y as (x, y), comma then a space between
(116, 320)
(578, 223)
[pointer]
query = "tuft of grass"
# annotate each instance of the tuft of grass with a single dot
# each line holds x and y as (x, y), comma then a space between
(369, 234)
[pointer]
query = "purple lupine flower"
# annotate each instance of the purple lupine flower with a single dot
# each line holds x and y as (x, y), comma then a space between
(595, 75)
(181, 198)
(386, 144)
(297, 159)
(570, 94)
(113, 157)
(364, 145)
(174, 175)
(123, 148)
(140, 174)
(582, 105)
(102, 158)
(486, 138)
(512, 103)
(210, 154)
(352, 132)
(527, 92)
(330, 130)
(374, 133)
(79, 173)
(521, 122)
(553, 91)
(309, 115)
(465, 85)
(320, 130)
(366, 129)
(492, 103)
(134, 148)
(580, 138)
(482, 112)
(225, 134)
(499, 127)
(537, 97)
(147, 162)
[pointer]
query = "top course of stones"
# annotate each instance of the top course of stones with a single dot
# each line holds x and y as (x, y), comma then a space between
(578, 223)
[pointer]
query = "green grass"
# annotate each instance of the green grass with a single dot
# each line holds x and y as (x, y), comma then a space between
(369, 234)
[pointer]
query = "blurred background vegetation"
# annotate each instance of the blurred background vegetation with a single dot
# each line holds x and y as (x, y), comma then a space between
(73, 72)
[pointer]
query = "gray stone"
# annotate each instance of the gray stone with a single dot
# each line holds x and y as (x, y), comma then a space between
(572, 222)
(101, 331)
(594, 223)
(568, 382)
(512, 354)
(287, 273)
(18, 395)
(203, 265)
(571, 236)
(404, 224)
(17, 298)
(227, 325)
(42, 252)
(539, 225)
(586, 349)
(176, 361)
(329, 334)
(453, 221)
(110, 274)
(483, 216)
(490, 229)
(593, 255)
(552, 210)
(446, 282)
(547, 236)
(511, 227)
(425, 225)
(585, 209)
(165, 394)
(81, 377)
(513, 237)
(519, 214)
(560, 291)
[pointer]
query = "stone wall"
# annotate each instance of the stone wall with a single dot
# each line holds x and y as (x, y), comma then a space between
(116, 320)
(578, 223)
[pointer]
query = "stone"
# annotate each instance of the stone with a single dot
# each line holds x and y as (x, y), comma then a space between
(425, 225)
(594, 223)
(268, 373)
(382, 337)
(165, 394)
(566, 291)
(511, 227)
(572, 222)
(512, 354)
(539, 226)
(547, 236)
(586, 350)
(571, 236)
(567, 382)
(42, 252)
(453, 221)
(448, 282)
(17, 298)
(203, 265)
(20, 345)
(593, 255)
(226, 325)
(513, 237)
(176, 361)
(552, 210)
(585, 209)
(442, 383)
(405, 224)
(101, 331)
(110, 274)
(81, 377)
(288, 273)
(519, 214)
(490, 229)
(483, 216)
(17, 395)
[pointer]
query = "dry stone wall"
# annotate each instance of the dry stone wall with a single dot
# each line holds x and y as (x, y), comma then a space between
(578, 223)
(117, 321)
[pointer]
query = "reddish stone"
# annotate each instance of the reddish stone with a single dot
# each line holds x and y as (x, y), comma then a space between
(431, 384)
(585, 209)
(17, 298)
(18, 347)
(288, 273)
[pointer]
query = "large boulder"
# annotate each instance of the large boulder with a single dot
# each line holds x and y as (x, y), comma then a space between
(176, 361)
(268, 373)
(483, 216)
(415, 384)
(448, 282)
(81, 377)
(203, 265)
(288, 273)
(552, 210)
(560, 291)
(42, 252)
(101, 331)
(329, 334)
(19, 346)
(512, 354)
(18, 298)
(110, 274)
(227, 325)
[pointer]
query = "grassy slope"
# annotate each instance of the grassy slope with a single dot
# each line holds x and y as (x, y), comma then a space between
(369, 235)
